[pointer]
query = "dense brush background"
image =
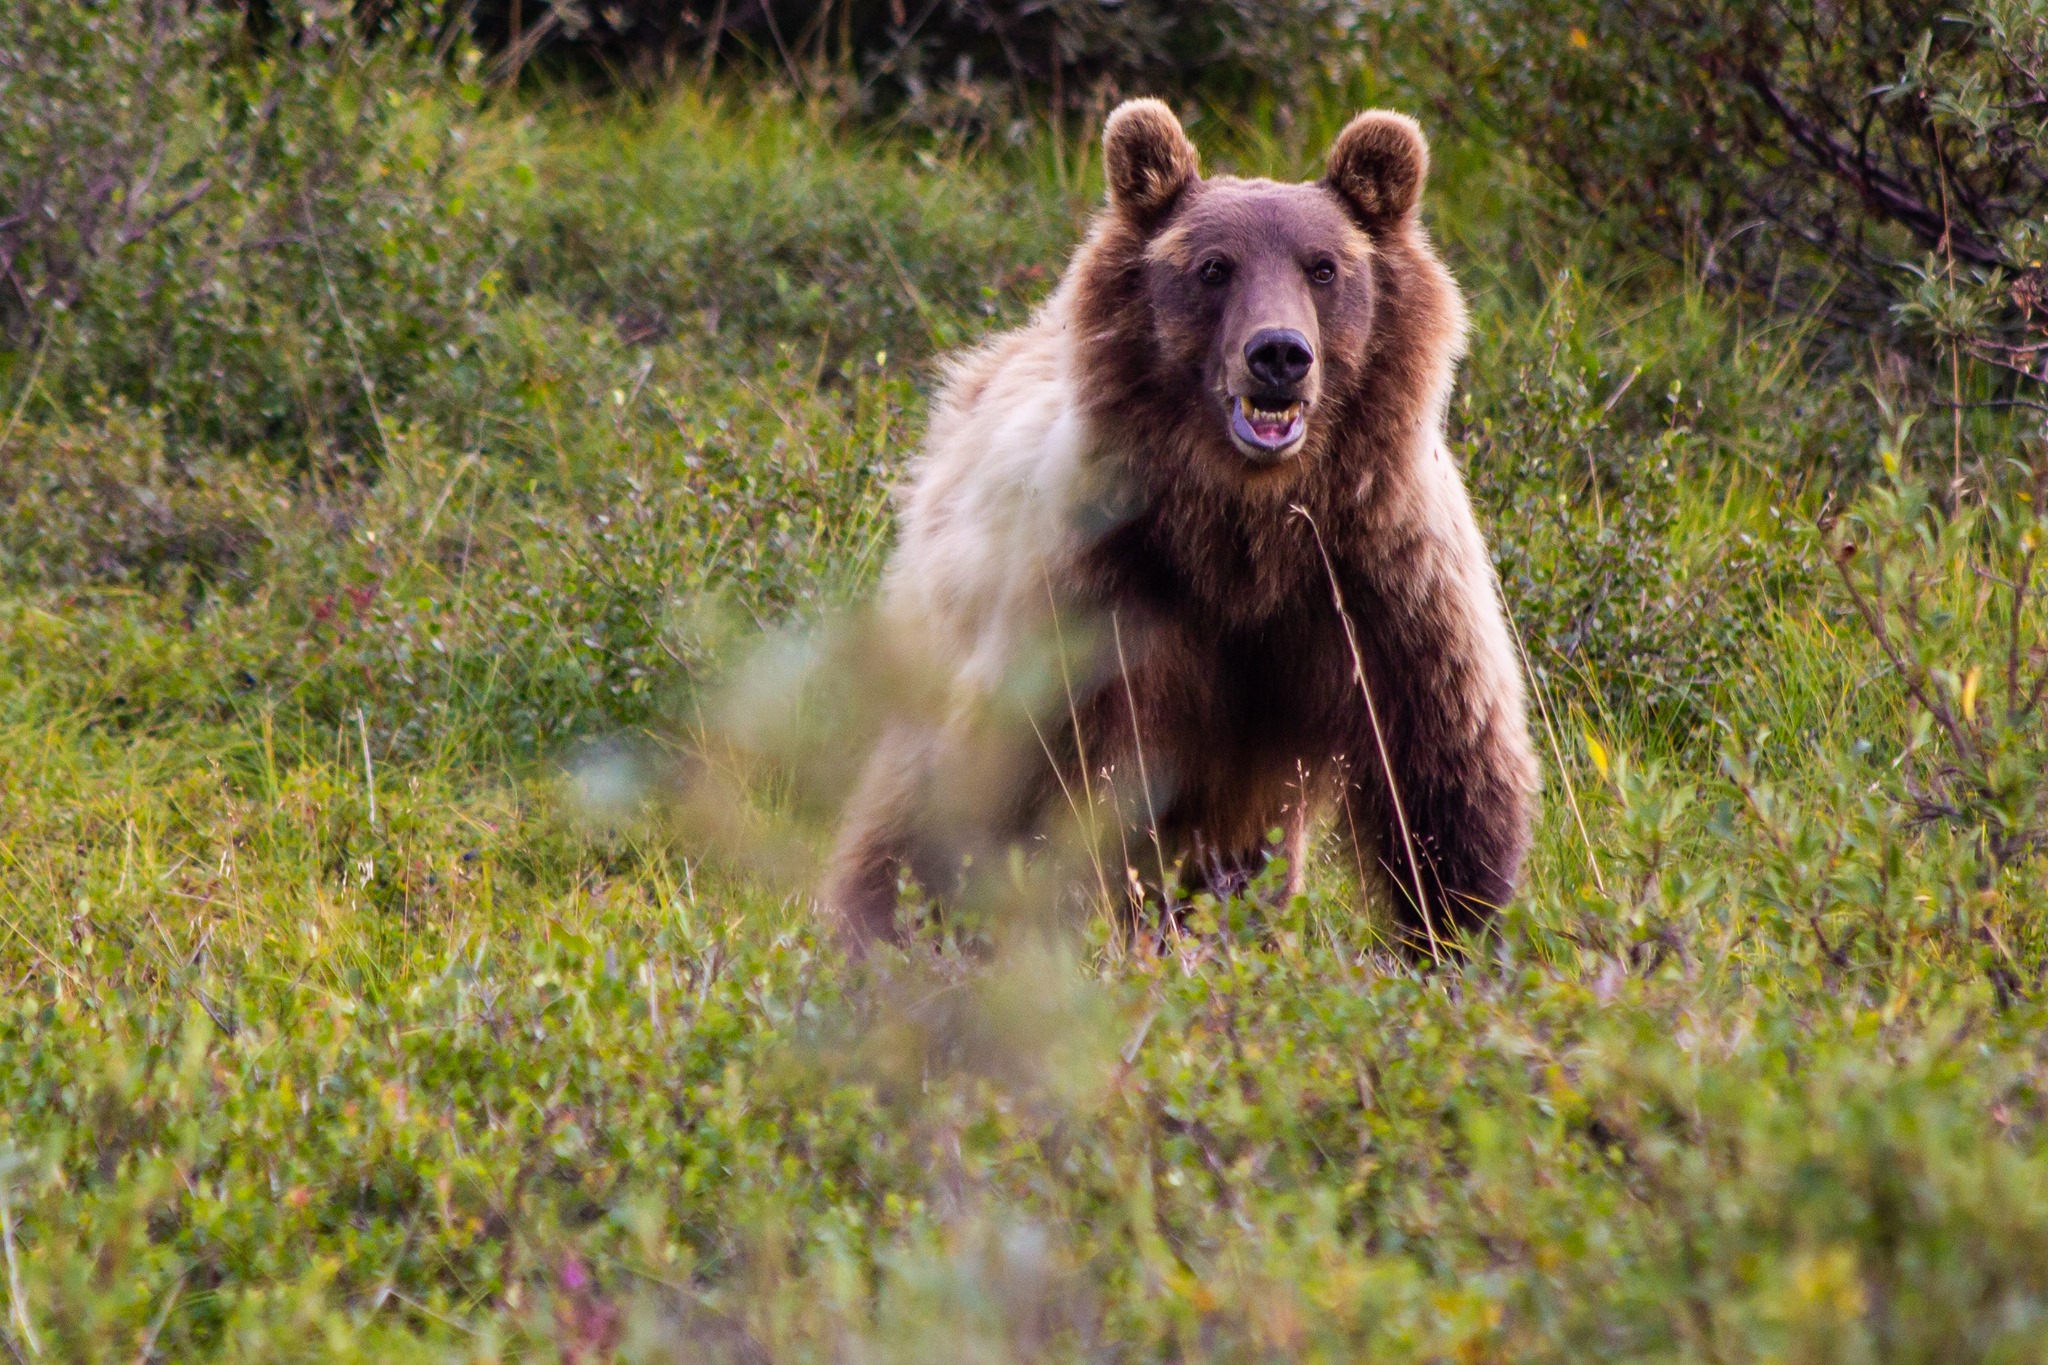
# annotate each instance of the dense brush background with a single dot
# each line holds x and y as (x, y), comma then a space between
(407, 416)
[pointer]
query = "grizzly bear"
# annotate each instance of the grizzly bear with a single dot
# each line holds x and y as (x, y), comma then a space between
(1192, 538)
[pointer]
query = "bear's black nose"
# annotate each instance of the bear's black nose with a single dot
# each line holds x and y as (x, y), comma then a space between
(1278, 357)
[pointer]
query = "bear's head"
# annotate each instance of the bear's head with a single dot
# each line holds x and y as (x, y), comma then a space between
(1260, 303)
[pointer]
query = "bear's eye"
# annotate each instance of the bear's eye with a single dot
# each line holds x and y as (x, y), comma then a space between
(1215, 270)
(1322, 272)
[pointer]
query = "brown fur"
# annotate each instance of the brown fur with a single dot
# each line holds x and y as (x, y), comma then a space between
(1214, 569)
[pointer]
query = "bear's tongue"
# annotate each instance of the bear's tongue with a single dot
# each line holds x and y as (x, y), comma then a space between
(1271, 428)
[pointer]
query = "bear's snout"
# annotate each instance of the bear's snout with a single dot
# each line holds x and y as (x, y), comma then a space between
(1279, 357)
(1270, 420)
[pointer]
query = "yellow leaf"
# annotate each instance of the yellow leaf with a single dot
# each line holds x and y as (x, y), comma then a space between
(1579, 38)
(1192, 1289)
(1599, 753)
(1970, 681)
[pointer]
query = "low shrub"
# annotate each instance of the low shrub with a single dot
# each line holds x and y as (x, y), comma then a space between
(264, 246)
(1889, 811)
(959, 64)
(1625, 600)
(100, 501)
(1886, 166)
(737, 230)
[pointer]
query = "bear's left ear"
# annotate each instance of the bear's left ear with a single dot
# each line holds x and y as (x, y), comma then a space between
(1377, 166)
(1149, 160)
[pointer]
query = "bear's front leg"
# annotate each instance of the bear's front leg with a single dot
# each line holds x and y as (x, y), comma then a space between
(1442, 778)
(1448, 834)
(1224, 872)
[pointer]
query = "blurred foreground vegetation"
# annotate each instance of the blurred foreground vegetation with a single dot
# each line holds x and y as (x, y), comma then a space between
(389, 467)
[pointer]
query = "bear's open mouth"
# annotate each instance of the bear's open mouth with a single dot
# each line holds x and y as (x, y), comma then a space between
(1266, 426)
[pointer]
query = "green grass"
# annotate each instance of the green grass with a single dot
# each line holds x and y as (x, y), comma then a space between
(339, 1027)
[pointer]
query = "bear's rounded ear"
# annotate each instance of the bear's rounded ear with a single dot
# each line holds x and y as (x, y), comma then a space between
(1377, 166)
(1149, 159)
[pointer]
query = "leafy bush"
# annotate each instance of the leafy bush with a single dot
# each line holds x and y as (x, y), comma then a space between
(1952, 600)
(1844, 157)
(1947, 842)
(79, 185)
(1908, 821)
(1581, 480)
(549, 504)
(261, 246)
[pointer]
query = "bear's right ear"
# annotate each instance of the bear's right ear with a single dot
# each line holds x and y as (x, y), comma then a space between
(1149, 159)
(1377, 165)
